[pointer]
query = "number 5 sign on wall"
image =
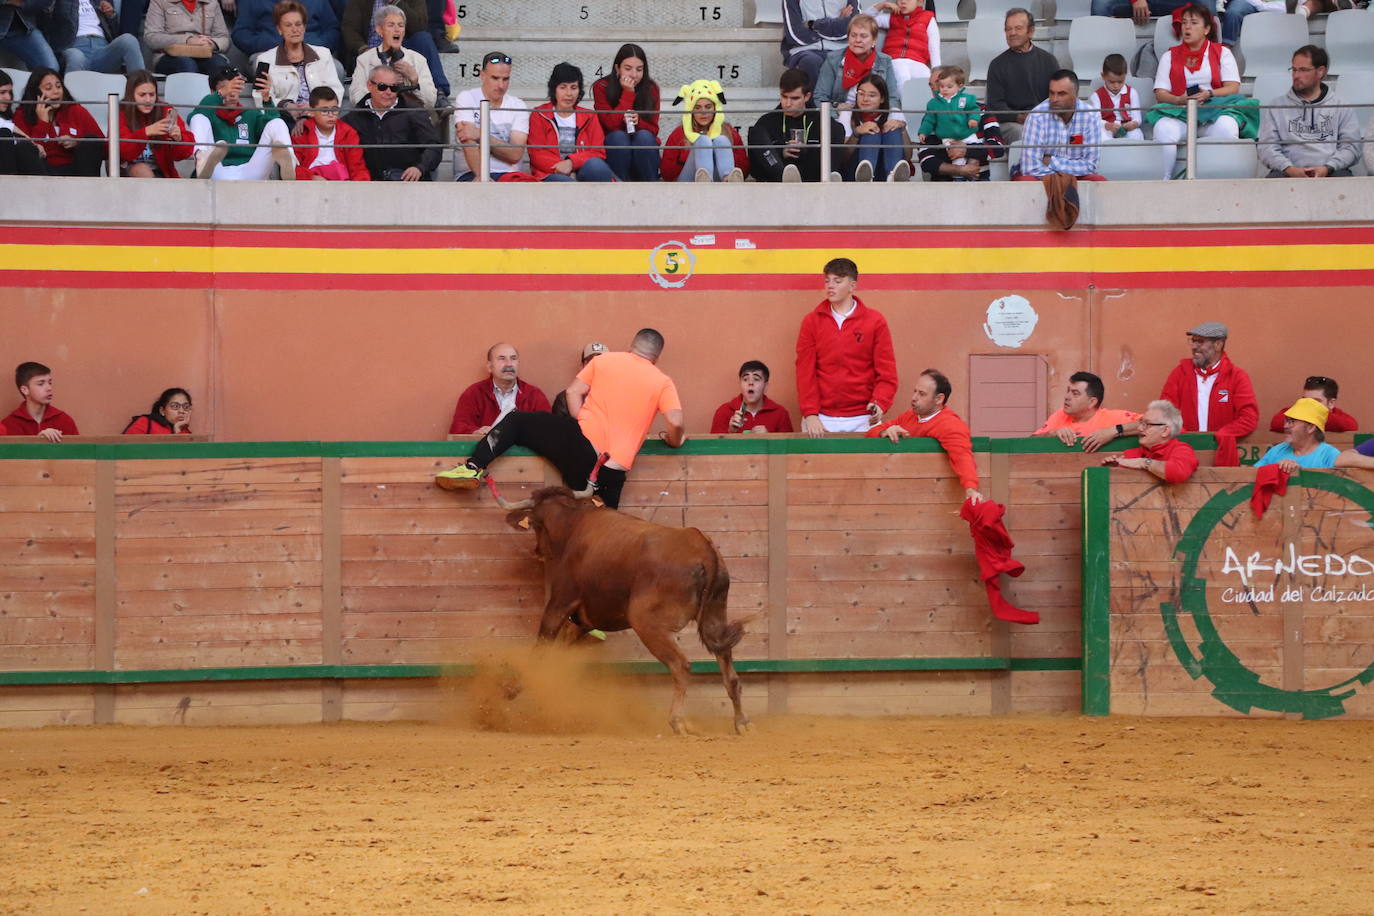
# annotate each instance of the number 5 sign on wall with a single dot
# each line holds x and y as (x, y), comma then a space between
(671, 265)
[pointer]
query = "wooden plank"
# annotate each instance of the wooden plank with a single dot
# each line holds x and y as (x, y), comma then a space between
(136, 474)
(640, 493)
(106, 585)
(46, 631)
(522, 571)
(137, 499)
(445, 625)
(436, 546)
(390, 470)
(817, 621)
(209, 550)
(191, 576)
(896, 464)
(66, 657)
(216, 629)
(240, 523)
(267, 600)
(425, 495)
(46, 551)
(714, 492)
(251, 652)
(874, 518)
(47, 472)
(80, 603)
(443, 598)
(40, 707)
(454, 520)
(727, 518)
(55, 577)
(861, 491)
(42, 525)
(881, 569)
(922, 595)
(779, 543)
(1036, 490)
(47, 499)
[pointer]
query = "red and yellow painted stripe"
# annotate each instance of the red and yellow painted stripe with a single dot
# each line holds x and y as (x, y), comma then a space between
(723, 260)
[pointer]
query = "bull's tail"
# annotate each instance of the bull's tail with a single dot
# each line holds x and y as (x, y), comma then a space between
(717, 634)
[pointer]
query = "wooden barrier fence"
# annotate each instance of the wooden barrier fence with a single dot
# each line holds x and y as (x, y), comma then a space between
(286, 582)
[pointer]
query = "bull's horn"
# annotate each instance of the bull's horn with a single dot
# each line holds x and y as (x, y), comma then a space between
(508, 506)
(591, 478)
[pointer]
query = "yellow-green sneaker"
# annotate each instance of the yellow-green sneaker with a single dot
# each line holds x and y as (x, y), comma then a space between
(460, 478)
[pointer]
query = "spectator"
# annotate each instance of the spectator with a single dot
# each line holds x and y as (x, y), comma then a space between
(389, 23)
(1198, 68)
(931, 416)
(21, 33)
(327, 149)
(1084, 417)
(784, 144)
(1121, 113)
(846, 376)
(1361, 456)
(1141, 10)
(35, 415)
(1323, 390)
(1211, 392)
(838, 81)
(961, 161)
(399, 142)
(152, 140)
(874, 149)
(65, 132)
(1019, 77)
(1307, 134)
(1062, 134)
(1161, 452)
(98, 45)
(590, 352)
(421, 32)
(952, 121)
(238, 144)
(510, 122)
(258, 24)
(1304, 444)
(913, 43)
(170, 415)
(482, 404)
(705, 147)
(18, 154)
(611, 405)
(811, 29)
(1236, 11)
(626, 101)
(753, 411)
(565, 139)
(294, 67)
(188, 36)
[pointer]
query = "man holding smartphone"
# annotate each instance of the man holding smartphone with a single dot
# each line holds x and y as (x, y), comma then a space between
(785, 144)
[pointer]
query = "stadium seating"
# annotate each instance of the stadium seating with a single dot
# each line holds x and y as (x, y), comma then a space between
(1067, 10)
(20, 78)
(1122, 160)
(767, 11)
(1091, 38)
(1350, 40)
(997, 9)
(90, 87)
(1270, 86)
(1222, 157)
(1164, 35)
(985, 41)
(185, 90)
(1268, 40)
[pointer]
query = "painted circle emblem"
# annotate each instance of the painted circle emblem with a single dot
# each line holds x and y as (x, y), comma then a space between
(1234, 684)
(671, 265)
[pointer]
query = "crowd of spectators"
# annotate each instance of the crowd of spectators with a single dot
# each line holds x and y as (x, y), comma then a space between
(872, 66)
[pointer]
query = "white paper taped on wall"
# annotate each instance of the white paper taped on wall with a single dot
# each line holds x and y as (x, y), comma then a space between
(1011, 321)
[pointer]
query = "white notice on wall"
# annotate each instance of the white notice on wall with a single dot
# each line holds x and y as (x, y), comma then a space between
(1011, 321)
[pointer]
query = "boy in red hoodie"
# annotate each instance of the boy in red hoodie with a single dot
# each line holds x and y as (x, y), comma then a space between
(35, 415)
(929, 416)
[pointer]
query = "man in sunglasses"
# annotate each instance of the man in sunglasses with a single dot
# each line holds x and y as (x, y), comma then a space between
(1323, 390)
(399, 143)
(510, 123)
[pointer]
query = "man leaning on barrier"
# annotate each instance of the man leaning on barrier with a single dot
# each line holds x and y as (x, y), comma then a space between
(1084, 417)
(1305, 134)
(1161, 453)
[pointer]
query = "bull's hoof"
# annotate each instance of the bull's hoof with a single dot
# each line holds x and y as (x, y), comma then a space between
(679, 727)
(743, 726)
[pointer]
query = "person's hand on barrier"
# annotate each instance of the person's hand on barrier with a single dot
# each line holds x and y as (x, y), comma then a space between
(1098, 438)
(812, 426)
(896, 431)
(1317, 171)
(1112, 461)
(50, 435)
(1140, 12)
(1289, 466)
(1066, 435)
(412, 174)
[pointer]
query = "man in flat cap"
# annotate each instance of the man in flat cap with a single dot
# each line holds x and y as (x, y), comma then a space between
(1213, 394)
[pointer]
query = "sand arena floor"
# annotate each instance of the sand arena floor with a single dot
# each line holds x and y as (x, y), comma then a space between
(806, 815)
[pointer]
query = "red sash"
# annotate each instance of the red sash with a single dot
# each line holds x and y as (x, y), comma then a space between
(1178, 83)
(855, 69)
(1113, 115)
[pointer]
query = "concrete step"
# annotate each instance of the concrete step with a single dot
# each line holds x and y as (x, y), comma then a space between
(607, 14)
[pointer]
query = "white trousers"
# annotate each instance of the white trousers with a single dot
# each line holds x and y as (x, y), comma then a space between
(1169, 131)
(258, 168)
(903, 70)
(859, 424)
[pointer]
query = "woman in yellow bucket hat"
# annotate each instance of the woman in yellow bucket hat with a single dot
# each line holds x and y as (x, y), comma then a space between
(1304, 444)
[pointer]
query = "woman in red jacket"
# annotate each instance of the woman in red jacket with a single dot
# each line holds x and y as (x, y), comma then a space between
(565, 139)
(626, 102)
(64, 132)
(152, 138)
(171, 415)
(711, 146)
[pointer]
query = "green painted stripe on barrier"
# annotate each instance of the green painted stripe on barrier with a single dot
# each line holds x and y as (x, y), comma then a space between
(374, 672)
(1097, 591)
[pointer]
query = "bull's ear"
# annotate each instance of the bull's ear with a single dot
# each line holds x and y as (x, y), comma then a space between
(597, 501)
(520, 518)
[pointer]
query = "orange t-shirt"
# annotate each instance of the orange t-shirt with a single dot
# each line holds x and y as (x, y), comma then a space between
(1100, 420)
(627, 392)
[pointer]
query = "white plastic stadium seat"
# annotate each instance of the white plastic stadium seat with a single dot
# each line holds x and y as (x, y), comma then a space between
(767, 11)
(185, 90)
(20, 78)
(1164, 35)
(946, 10)
(1271, 86)
(1222, 157)
(1091, 38)
(1268, 40)
(1118, 160)
(90, 87)
(996, 9)
(1068, 10)
(1350, 40)
(984, 42)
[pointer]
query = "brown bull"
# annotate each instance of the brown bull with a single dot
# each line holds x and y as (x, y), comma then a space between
(609, 571)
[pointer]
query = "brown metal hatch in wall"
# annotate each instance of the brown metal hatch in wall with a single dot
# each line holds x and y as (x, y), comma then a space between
(1007, 393)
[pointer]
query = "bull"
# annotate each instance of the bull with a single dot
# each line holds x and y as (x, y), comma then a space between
(608, 571)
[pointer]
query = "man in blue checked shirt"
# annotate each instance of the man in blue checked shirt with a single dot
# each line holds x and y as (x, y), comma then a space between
(1062, 134)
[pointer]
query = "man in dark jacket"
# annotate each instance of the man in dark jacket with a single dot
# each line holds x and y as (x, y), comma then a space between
(21, 32)
(382, 119)
(785, 144)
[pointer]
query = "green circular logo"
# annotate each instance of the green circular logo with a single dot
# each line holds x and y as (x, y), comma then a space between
(1234, 684)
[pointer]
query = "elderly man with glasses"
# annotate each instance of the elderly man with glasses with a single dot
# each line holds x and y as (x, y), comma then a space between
(399, 143)
(1161, 452)
(1306, 133)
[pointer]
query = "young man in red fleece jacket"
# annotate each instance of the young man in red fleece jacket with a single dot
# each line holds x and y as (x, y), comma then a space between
(35, 415)
(1324, 391)
(929, 416)
(846, 370)
(752, 410)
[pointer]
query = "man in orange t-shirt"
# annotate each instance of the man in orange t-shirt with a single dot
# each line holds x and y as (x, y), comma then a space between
(612, 403)
(1084, 417)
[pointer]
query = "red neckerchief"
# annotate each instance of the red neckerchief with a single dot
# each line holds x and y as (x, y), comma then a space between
(1205, 374)
(229, 115)
(190, 5)
(866, 116)
(1183, 57)
(855, 69)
